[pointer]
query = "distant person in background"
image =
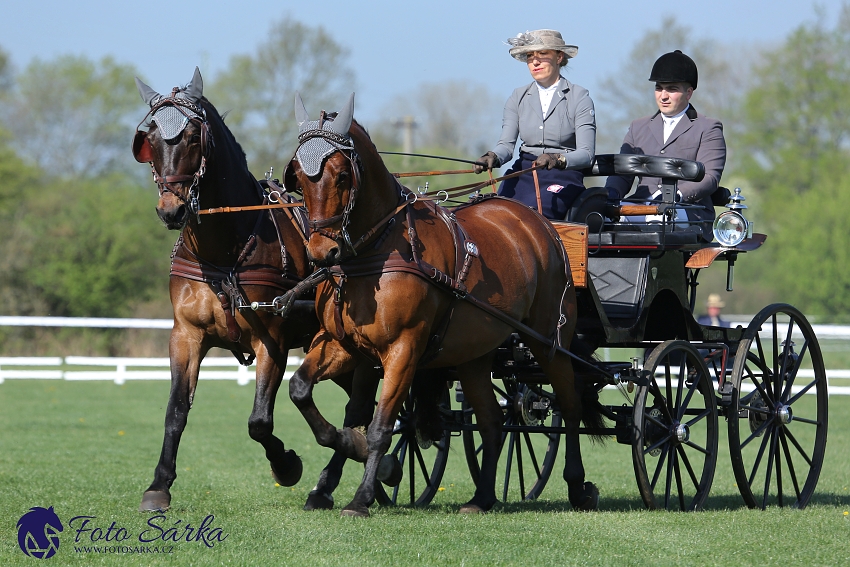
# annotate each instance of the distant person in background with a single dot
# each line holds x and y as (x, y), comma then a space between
(556, 122)
(714, 305)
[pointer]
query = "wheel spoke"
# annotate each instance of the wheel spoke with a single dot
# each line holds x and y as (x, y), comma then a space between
(797, 445)
(757, 433)
(699, 417)
(657, 444)
(683, 457)
(769, 473)
(508, 466)
(531, 454)
(791, 468)
(668, 483)
(658, 468)
(803, 390)
(759, 456)
(678, 470)
(518, 448)
(792, 373)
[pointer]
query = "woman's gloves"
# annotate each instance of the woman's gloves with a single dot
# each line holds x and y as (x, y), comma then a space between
(486, 162)
(549, 161)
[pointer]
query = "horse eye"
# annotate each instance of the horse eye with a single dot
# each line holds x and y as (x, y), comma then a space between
(342, 177)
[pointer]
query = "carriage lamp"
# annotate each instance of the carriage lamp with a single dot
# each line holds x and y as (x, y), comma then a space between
(731, 227)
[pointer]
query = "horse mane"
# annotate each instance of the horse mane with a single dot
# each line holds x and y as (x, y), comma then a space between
(226, 145)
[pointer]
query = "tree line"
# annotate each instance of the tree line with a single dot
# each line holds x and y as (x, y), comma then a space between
(80, 237)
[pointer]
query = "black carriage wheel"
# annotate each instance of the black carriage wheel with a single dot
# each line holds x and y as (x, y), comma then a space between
(674, 443)
(526, 458)
(778, 418)
(422, 462)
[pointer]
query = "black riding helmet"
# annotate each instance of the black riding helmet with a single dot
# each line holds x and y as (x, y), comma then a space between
(674, 67)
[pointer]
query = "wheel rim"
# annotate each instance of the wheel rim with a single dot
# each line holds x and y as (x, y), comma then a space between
(423, 464)
(674, 446)
(778, 420)
(526, 458)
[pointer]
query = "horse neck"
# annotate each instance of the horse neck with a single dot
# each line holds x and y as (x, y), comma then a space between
(378, 194)
(220, 238)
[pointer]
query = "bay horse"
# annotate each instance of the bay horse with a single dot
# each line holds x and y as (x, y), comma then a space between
(417, 285)
(218, 264)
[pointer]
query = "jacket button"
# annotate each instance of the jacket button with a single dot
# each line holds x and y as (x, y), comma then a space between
(662, 151)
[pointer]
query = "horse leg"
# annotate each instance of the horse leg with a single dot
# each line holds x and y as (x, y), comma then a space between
(285, 464)
(326, 359)
(186, 354)
(398, 376)
(361, 390)
(583, 495)
(478, 390)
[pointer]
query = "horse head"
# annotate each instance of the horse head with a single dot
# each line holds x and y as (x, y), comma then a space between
(177, 145)
(327, 169)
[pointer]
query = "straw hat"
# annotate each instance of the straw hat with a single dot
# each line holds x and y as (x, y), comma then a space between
(538, 40)
(715, 301)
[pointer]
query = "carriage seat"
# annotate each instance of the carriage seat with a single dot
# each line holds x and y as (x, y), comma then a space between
(595, 200)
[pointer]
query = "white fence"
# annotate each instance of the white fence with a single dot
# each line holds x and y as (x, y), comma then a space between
(120, 370)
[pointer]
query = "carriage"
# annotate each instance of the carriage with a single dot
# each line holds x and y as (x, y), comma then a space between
(625, 287)
(677, 379)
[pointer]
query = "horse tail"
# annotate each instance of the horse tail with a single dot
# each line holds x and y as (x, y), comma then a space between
(591, 412)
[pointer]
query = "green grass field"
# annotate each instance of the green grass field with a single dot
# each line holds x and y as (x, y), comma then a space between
(89, 449)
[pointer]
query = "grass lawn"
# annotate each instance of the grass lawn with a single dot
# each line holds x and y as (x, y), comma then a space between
(89, 449)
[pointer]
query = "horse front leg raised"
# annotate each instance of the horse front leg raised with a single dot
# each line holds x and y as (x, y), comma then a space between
(326, 359)
(186, 352)
(361, 391)
(285, 464)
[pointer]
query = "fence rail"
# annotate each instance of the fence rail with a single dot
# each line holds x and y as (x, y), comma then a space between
(119, 370)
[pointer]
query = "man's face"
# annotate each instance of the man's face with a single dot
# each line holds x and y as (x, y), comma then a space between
(672, 98)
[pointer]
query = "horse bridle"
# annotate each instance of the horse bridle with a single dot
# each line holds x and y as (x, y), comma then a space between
(142, 151)
(340, 236)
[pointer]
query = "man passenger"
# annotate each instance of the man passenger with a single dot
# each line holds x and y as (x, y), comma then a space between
(677, 130)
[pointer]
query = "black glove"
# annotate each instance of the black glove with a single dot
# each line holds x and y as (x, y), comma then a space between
(550, 161)
(486, 162)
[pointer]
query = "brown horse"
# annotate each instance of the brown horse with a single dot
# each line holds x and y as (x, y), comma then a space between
(416, 285)
(218, 264)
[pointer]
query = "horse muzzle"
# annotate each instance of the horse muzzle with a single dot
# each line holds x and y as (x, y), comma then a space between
(172, 211)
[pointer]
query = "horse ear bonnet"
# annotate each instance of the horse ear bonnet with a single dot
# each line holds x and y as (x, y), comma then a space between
(170, 119)
(313, 151)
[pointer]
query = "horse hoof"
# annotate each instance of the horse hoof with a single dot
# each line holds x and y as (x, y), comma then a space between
(355, 512)
(590, 502)
(155, 501)
(287, 470)
(471, 509)
(389, 470)
(319, 501)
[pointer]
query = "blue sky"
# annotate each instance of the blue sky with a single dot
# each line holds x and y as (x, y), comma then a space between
(394, 45)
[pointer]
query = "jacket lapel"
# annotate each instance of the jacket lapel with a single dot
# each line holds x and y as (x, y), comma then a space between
(656, 126)
(682, 126)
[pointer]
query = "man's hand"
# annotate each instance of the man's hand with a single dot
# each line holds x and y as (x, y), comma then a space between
(486, 162)
(550, 161)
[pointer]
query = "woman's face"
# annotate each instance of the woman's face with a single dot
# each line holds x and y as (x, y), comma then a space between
(545, 66)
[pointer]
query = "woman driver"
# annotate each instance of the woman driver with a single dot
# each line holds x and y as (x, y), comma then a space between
(556, 121)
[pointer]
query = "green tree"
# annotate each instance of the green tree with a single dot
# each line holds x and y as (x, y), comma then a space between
(74, 117)
(796, 156)
(92, 247)
(258, 92)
